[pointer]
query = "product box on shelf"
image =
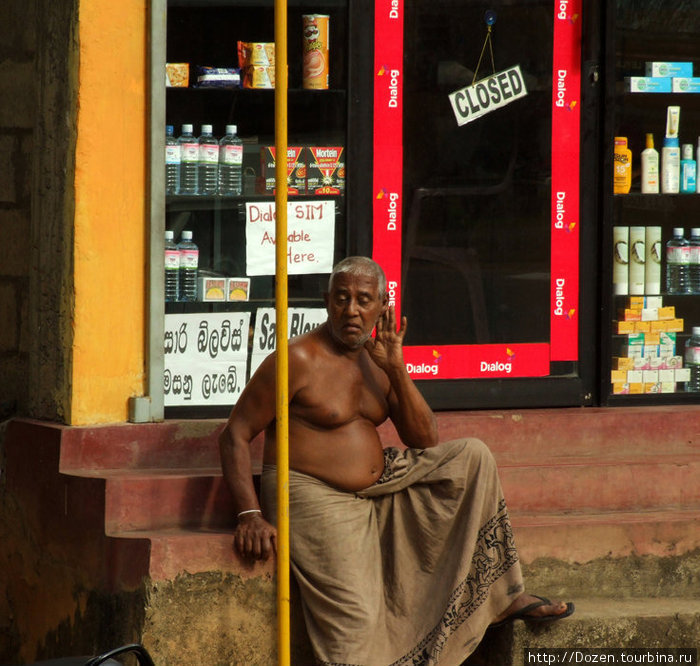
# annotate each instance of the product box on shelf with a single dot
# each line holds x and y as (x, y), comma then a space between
(668, 69)
(211, 289)
(238, 289)
(177, 74)
(296, 170)
(326, 170)
(648, 84)
(647, 362)
(685, 85)
(222, 289)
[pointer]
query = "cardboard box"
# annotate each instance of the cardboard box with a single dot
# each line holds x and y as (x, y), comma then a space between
(623, 363)
(624, 327)
(325, 170)
(238, 289)
(177, 74)
(296, 170)
(648, 84)
(618, 376)
(655, 68)
(211, 289)
(685, 85)
(681, 374)
(668, 312)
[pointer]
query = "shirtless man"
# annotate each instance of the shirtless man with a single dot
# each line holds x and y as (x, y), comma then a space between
(342, 385)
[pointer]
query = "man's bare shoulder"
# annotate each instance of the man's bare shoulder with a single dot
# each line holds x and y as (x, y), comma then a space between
(309, 346)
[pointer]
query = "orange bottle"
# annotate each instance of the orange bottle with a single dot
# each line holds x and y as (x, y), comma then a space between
(622, 166)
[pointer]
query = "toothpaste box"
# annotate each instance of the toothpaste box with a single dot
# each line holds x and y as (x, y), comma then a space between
(669, 69)
(648, 84)
(685, 85)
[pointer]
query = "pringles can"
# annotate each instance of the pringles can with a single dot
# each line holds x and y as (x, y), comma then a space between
(315, 63)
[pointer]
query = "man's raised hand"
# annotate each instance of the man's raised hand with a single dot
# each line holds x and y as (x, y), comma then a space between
(386, 348)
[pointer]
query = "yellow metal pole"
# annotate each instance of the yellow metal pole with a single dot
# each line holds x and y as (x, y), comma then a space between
(283, 610)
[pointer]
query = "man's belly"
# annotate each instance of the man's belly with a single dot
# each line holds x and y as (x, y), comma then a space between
(349, 457)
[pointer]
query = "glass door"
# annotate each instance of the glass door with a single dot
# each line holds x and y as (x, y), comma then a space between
(477, 211)
(220, 323)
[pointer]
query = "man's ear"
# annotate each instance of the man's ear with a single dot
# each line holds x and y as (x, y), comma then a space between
(326, 298)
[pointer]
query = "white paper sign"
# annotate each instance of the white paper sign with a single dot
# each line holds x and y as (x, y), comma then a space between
(299, 321)
(205, 358)
(487, 95)
(310, 237)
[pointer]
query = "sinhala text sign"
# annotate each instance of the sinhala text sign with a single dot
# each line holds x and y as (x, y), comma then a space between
(205, 358)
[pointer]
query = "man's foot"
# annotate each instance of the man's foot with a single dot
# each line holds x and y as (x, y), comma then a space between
(532, 608)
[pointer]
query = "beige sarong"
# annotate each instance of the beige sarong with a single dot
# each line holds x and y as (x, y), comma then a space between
(411, 570)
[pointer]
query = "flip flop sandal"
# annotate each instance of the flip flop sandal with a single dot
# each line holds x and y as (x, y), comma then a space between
(522, 614)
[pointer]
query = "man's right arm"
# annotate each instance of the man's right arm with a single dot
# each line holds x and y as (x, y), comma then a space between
(253, 536)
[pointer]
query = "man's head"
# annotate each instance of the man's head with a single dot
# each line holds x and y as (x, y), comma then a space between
(360, 266)
(355, 300)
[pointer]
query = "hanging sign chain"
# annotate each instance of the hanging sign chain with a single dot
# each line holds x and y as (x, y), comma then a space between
(489, 19)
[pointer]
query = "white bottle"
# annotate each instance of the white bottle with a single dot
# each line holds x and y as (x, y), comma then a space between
(671, 153)
(650, 167)
(230, 163)
(172, 161)
(172, 268)
(208, 162)
(189, 264)
(189, 160)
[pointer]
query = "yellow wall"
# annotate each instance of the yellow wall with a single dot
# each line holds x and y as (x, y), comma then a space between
(110, 215)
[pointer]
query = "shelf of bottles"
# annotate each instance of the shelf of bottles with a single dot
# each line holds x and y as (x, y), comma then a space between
(656, 237)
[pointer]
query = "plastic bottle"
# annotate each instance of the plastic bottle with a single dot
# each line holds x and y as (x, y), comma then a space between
(230, 163)
(172, 161)
(622, 162)
(208, 162)
(689, 170)
(172, 268)
(189, 262)
(189, 160)
(678, 264)
(650, 167)
(671, 153)
(692, 361)
(695, 260)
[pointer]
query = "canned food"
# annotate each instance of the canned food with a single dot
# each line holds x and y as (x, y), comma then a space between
(316, 46)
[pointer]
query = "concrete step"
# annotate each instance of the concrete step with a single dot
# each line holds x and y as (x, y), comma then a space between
(632, 484)
(168, 498)
(600, 624)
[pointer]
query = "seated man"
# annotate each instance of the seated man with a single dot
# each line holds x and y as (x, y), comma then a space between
(401, 556)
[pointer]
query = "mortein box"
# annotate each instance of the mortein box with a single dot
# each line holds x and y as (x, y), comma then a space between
(326, 170)
(296, 170)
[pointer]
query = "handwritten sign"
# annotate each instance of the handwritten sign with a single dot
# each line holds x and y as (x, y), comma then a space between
(488, 94)
(310, 236)
(205, 358)
(299, 321)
